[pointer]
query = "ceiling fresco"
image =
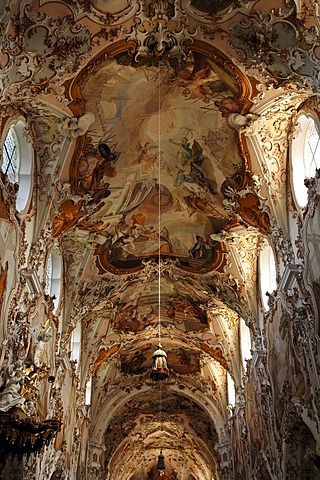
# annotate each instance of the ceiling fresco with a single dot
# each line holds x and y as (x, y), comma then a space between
(182, 312)
(162, 131)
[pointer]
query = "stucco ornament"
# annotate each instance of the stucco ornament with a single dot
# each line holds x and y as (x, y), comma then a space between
(75, 127)
(281, 42)
(160, 29)
(40, 55)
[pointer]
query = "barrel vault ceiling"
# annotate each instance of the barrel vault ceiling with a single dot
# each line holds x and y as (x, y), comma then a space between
(161, 131)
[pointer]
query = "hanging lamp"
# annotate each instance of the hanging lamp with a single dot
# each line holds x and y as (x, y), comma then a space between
(159, 370)
(161, 465)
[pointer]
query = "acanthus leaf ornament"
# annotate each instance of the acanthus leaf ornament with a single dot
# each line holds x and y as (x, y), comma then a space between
(161, 29)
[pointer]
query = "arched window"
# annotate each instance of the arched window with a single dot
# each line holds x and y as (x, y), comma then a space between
(17, 156)
(88, 391)
(76, 344)
(10, 162)
(305, 155)
(268, 274)
(54, 277)
(245, 342)
(231, 390)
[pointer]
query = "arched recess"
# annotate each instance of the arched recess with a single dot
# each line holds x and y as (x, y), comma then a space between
(160, 419)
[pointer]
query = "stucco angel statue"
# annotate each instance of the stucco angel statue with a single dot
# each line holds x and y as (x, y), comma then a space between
(10, 397)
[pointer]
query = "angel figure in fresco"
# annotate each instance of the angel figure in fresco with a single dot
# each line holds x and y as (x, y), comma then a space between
(228, 105)
(202, 78)
(193, 76)
(69, 214)
(104, 166)
(145, 155)
(197, 202)
(137, 239)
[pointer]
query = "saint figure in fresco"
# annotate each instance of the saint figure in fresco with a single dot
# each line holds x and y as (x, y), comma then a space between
(191, 158)
(188, 154)
(201, 250)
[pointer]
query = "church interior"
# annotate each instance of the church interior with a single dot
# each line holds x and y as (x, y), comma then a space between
(159, 240)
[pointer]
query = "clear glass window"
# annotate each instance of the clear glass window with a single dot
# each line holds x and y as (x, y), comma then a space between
(312, 150)
(231, 390)
(76, 344)
(305, 155)
(17, 162)
(10, 156)
(53, 277)
(268, 273)
(245, 342)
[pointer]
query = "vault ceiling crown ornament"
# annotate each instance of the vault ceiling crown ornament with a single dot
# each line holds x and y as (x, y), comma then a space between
(280, 45)
(161, 29)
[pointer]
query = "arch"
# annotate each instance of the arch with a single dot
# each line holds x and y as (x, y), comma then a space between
(189, 419)
(109, 407)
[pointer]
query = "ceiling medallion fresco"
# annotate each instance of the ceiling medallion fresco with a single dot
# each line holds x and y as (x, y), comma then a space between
(160, 145)
(182, 312)
(211, 6)
(180, 360)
